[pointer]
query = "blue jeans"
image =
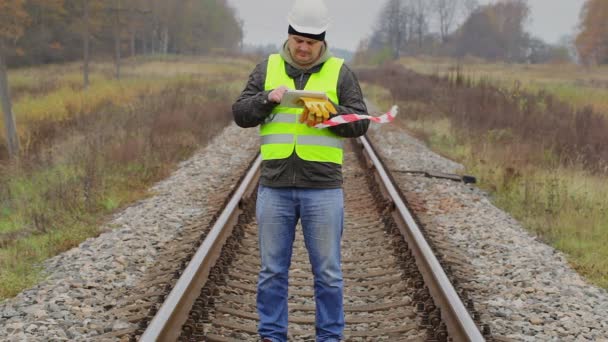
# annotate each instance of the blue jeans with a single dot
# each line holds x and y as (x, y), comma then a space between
(322, 213)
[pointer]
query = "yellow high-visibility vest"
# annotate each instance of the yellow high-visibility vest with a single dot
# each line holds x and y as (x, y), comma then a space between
(284, 134)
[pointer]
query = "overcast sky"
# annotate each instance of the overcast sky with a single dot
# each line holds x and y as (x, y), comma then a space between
(265, 20)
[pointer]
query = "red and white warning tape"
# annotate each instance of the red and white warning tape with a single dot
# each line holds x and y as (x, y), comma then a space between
(346, 118)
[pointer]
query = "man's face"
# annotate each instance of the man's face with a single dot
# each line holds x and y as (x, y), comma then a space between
(304, 51)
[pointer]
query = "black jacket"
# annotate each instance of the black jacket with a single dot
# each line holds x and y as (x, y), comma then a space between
(252, 109)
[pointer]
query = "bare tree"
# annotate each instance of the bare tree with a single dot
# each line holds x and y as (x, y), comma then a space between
(13, 22)
(132, 14)
(393, 26)
(117, 42)
(402, 24)
(9, 119)
(419, 14)
(446, 12)
(468, 7)
(86, 36)
(136, 13)
(390, 28)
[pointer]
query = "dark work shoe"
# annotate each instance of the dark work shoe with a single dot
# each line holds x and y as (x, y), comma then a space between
(266, 340)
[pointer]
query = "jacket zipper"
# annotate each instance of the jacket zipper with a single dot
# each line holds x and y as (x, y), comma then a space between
(293, 161)
(299, 86)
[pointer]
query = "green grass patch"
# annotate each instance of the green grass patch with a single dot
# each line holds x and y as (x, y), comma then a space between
(89, 153)
(20, 263)
(566, 207)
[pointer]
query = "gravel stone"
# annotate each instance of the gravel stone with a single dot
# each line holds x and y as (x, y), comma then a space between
(525, 289)
(83, 283)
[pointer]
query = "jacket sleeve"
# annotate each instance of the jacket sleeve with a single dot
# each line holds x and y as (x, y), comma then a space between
(252, 106)
(351, 102)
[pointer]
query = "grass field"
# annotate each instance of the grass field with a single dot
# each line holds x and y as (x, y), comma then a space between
(88, 153)
(577, 85)
(507, 139)
(564, 206)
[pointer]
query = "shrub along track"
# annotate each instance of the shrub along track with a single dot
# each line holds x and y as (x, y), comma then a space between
(385, 295)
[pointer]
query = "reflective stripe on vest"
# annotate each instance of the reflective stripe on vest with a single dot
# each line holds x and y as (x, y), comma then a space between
(284, 118)
(284, 134)
(302, 140)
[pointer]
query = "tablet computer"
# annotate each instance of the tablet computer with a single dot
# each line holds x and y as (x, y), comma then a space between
(291, 97)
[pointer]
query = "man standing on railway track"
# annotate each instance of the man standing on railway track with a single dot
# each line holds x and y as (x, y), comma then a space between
(302, 168)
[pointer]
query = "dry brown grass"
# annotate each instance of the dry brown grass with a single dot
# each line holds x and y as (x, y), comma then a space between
(577, 85)
(78, 168)
(547, 125)
(544, 161)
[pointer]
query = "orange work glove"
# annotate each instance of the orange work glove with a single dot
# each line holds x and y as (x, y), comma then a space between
(316, 110)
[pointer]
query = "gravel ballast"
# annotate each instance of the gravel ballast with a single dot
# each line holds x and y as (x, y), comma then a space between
(83, 283)
(524, 288)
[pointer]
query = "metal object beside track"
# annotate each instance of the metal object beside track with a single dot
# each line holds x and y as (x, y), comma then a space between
(461, 326)
(166, 324)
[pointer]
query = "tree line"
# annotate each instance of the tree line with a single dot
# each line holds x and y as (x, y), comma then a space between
(496, 32)
(592, 41)
(51, 31)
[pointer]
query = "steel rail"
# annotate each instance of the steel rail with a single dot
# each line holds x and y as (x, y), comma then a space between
(460, 325)
(170, 318)
(168, 321)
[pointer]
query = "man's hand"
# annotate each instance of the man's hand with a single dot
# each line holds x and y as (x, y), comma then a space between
(316, 110)
(277, 94)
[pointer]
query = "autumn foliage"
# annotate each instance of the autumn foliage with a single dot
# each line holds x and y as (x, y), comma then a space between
(52, 31)
(13, 19)
(592, 42)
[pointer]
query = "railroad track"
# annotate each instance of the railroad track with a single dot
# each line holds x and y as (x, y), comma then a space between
(394, 287)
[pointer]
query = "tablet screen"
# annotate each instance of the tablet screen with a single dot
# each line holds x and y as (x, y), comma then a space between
(291, 97)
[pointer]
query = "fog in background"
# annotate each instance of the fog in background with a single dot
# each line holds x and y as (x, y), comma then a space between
(265, 21)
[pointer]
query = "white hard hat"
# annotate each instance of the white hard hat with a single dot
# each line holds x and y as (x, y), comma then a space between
(309, 16)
